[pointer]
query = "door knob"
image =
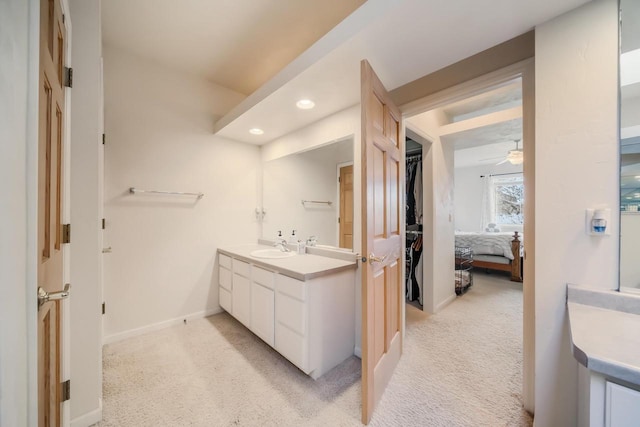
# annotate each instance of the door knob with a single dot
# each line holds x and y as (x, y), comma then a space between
(373, 258)
(44, 296)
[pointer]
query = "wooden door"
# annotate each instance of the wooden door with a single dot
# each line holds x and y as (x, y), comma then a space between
(346, 207)
(50, 264)
(382, 214)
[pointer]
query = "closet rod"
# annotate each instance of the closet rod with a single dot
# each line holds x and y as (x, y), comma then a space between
(501, 174)
(134, 190)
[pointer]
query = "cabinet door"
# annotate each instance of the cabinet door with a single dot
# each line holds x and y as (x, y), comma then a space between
(622, 406)
(262, 312)
(241, 299)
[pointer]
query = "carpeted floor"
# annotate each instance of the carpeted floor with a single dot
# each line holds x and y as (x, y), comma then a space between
(461, 367)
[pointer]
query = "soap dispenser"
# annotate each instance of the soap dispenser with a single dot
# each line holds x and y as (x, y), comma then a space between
(293, 239)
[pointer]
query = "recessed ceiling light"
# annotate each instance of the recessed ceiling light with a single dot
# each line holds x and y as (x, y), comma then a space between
(637, 176)
(628, 198)
(305, 104)
(256, 131)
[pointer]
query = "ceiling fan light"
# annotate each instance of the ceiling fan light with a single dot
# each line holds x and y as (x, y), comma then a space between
(516, 160)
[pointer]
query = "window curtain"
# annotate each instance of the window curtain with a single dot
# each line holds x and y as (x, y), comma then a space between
(488, 202)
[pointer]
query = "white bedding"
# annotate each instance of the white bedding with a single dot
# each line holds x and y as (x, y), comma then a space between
(486, 243)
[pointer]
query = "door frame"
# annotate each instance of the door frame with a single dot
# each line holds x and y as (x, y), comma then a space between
(463, 89)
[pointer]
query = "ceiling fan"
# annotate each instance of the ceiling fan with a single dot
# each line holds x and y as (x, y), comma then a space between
(515, 157)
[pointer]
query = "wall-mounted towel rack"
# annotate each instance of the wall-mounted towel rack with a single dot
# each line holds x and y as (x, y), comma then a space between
(134, 190)
(317, 202)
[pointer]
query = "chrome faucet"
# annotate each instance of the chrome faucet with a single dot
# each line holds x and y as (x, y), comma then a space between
(281, 243)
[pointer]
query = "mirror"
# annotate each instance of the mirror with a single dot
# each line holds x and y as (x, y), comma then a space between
(311, 192)
(630, 145)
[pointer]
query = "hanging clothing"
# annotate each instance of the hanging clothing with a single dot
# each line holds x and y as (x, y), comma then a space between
(417, 192)
(414, 284)
(411, 201)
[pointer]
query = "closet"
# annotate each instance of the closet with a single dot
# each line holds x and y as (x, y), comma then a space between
(413, 221)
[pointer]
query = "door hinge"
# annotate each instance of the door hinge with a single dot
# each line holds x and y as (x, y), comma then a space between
(339, 179)
(104, 308)
(63, 18)
(66, 233)
(104, 138)
(104, 223)
(68, 76)
(338, 220)
(65, 391)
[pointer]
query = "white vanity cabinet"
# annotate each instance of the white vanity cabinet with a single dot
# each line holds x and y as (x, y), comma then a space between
(310, 322)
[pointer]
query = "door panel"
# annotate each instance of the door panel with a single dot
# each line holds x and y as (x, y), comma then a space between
(382, 214)
(50, 163)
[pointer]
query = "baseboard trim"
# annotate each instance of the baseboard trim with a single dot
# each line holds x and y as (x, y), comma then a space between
(358, 352)
(88, 419)
(160, 325)
(445, 303)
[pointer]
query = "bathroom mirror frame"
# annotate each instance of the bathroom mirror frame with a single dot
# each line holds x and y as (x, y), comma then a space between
(287, 180)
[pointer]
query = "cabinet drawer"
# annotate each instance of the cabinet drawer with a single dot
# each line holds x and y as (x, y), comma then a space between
(262, 276)
(225, 299)
(240, 267)
(262, 304)
(225, 278)
(291, 313)
(224, 261)
(292, 287)
(292, 346)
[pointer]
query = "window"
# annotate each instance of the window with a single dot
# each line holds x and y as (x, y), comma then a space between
(508, 194)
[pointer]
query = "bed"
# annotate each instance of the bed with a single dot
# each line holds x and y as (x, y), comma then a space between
(494, 251)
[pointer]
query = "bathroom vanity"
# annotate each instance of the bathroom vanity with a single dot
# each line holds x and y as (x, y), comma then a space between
(302, 305)
(605, 340)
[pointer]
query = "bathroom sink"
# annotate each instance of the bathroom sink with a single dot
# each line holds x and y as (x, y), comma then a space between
(271, 253)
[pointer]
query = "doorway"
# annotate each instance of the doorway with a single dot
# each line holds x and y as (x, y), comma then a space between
(439, 211)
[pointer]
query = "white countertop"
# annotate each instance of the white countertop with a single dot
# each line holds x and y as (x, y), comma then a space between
(605, 340)
(300, 267)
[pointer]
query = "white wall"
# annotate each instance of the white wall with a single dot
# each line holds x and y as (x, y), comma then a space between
(18, 144)
(310, 175)
(86, 243)
(159, 126)
(468, 192)
(332, 128)
(629, 250)
(438, 229)
(576, 168)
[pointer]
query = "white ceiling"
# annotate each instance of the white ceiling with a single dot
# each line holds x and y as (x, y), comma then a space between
(239, 44)
(402, 39)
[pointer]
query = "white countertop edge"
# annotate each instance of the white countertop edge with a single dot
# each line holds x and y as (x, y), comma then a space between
(272, 265)
(594, 357)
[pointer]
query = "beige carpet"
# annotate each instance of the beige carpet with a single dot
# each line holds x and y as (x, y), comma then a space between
(461, 367)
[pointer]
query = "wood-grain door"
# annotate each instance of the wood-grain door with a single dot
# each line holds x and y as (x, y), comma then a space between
(346, 207)
(382, 214)
(50, 164)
